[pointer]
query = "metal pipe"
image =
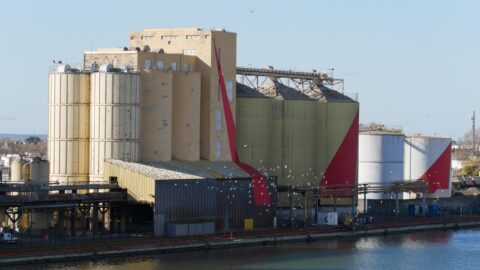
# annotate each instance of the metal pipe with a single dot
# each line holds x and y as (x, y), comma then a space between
(397, 206)
(365, 198)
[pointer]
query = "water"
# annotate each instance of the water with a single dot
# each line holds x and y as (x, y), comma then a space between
(427, 250)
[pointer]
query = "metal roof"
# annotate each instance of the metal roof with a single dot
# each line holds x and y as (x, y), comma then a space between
(176, 169)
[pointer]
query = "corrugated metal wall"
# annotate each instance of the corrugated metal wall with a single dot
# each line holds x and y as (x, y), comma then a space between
(140, 187)
(296, 140)
(214, 200)
(256, 130)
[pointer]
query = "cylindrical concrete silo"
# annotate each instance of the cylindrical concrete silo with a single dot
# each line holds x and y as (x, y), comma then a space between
(337, 164)
(39, 171)
(16, 170)
(380, 160)
(429, 159)
(114, 119)
(254, 132)
(68, 126)
(39, 174)
(26, 171)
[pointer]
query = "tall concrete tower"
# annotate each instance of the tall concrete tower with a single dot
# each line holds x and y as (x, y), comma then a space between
(198, 42)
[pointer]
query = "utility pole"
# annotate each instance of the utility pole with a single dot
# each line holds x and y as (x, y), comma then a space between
(473, 133)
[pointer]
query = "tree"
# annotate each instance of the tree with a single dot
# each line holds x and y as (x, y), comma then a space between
(467, 137)
(33, 139)
(471, 167)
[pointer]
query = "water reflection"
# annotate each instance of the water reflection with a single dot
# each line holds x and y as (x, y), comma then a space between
(426, 250)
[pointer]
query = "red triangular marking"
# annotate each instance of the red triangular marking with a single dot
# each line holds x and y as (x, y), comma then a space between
(259, 182)
(342, 170)
(438, 175)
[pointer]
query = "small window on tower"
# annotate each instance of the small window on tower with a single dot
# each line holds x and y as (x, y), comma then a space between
(229, 87)
(186, 67)
(192, 37)
(218, 120)
(148, 64)
(161, 65)
(218, 149)
(173, 66)
(189, 52)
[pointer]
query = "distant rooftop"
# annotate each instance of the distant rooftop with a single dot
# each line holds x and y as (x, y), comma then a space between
(379, 129)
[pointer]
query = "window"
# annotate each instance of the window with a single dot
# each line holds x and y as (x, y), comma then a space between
(148, 64)
(146, 37)
(186, 67)
(218, 149)
(192, 37)
(161, 65)
(189, 52)
(169, 37)
(229, 87)
(173, 66)
(218, 120)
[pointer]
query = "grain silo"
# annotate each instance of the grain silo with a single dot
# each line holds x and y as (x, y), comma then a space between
(39, 171)
(186, 97)
(429, 159)
(114, 118)
(16, 170)
(156, 115)
(380, 158)
(26, 171)
(337, 164)
(68, 125)
(255, 129)
(277, 133)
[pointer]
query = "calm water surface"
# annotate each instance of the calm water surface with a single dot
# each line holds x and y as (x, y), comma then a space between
(426, 250)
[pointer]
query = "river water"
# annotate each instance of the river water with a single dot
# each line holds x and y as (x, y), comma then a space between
(425, 250)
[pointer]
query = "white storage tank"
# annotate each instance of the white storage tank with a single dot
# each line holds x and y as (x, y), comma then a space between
(380, 160)
(39, 171)
(114, 119)
(429, 159)
(68, 125)
(16, 170)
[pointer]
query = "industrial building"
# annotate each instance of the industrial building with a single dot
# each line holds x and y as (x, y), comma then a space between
(198, 145)
(158, 105)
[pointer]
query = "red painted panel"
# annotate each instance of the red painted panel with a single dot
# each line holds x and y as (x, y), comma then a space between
(259, 182)
(342, 170)
(438, 175)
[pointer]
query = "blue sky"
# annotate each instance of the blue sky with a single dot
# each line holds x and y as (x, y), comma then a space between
(414, 64)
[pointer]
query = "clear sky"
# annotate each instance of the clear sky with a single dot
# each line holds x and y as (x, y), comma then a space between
(413, 63)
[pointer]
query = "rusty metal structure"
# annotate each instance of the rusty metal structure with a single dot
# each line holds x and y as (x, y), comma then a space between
(64, 201)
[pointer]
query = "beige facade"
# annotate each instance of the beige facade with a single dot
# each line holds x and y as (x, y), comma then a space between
(156, 111)
(181, 53)
(162, 75)
(198, 42)
(186, 116)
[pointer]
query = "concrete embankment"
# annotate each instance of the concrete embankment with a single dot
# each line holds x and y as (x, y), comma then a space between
(143, 247)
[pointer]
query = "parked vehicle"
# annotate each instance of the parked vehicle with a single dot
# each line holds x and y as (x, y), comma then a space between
(8, 236)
